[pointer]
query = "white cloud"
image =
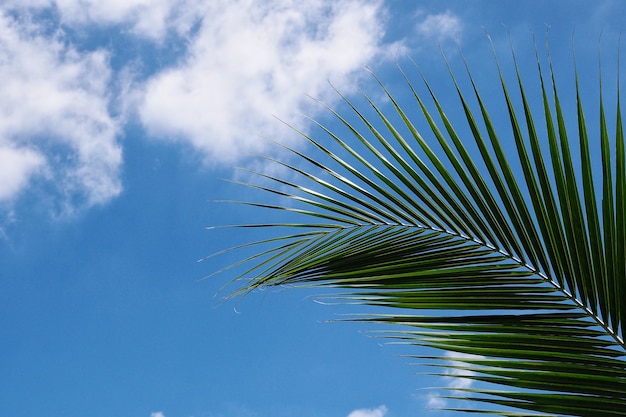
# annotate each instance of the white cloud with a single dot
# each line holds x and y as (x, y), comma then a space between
(435, 402)
(149, 18)
(369, 412)
(18, 165)
(245, 61)
(157, 414)
(440, 26)
(458, 377)
(54, 119)
(250, 60)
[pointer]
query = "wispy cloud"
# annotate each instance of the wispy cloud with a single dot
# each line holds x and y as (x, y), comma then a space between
(54, 120)
(18, 164)
(369, 412)
(251, 60)
(157, 414)
(435, 402)
(457, 378)
(440, 26)
(152, 19)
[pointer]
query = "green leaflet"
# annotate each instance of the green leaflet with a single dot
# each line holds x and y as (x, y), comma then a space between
(523, 275)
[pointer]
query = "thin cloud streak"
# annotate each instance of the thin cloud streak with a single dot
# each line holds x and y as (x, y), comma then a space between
(369, 412)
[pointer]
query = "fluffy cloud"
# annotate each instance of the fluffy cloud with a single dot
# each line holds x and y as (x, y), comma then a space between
(246, 61)
(54, 120)
(373, 412)
(251, 60)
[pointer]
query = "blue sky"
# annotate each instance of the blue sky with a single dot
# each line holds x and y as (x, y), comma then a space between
(118, 120)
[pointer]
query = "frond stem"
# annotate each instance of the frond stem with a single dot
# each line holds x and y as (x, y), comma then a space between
(539, 273)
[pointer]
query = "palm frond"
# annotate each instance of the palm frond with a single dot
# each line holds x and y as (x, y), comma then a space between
(511, 258)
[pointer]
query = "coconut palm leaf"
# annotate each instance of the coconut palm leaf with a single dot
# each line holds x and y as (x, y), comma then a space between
(497, 247)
